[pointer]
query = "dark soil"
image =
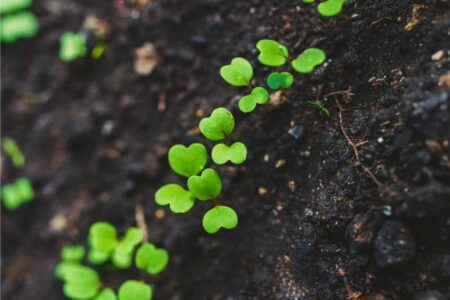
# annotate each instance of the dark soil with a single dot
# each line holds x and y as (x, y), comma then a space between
(331, 223)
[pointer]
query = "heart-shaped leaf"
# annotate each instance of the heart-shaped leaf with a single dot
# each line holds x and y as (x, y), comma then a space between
(277, 80)
(272, 53)
(330, 8)
(219, 216)
(102, 237)
(135, 290)
(73, 253)
(106, 294)
(238, 73)
(179, 200)
(80, 282)
(187, 161)
(236, 153)
(96, 257)
(122, 257)
(308, 60)
(206, 186)
(259, 95)
(218, 126)
(151, 259)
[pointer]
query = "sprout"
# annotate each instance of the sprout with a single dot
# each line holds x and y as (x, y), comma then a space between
(123, 254)
(236, 153)
(71, 256)
(151, 259)
(317, 104)
(280, 80)
(272, 53)
(17, 26)
(178, 199)
(258, 95)
(308, 60)
(135, 290)
(72, 46)
(9, 6)
(11, 148)
(207, 186)
(187, 161)
(220, 217)
(330, 8)
(17, 193)
(238, 73)
(218, 126)
(106, 294)
(80, 282)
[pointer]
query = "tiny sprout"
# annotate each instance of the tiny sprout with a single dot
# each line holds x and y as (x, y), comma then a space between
(80, 282)
(73, 253)
(207, 186)
(258, 95)
(236, 153)
(72, 46)
(330, 8)
(308, 1)
(220, 217)
(317, 104)
(106, 294)
(17, 26)
(122, 257)
(11, 148)
(135, 290)
(308, 60)
(218, 126)
(151, 259)
(17, 193)
(178, 199)
(187, 161)
(280, 80)
(238, 73)
(272, 53)
(9, 6)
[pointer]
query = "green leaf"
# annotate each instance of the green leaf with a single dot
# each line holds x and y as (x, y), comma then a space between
(106, 294)
(308, 60)
(18, 26)
(63, 267)
(12, 149)
(179, 200)
(308, 1)
(259, 95)
(8, 6)
(132, 238)
(73, 253)
(72, 46)
(96, 257)
(218, 126)
(135, 290)
(238, 73)
(10, 197)
(330, 8)
(317, 104)
(81, 283)
(272, 53)
(103, 237)
(24, 189)
(280, 80)
(236, 153)
(187, 161)
(206, 186)
(151, 259)
(122, 260)
(219, 217)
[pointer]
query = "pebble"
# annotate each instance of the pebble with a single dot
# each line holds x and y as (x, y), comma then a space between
(298, 132)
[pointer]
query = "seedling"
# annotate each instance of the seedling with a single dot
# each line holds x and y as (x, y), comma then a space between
(187, 161)
(123, 254)
(18, 26)
(317, 104)
(178, 199)
(207, 186)
(220, 217)
(236, 153)
(258, 95)
(9, 6)
(135, 290)
(280, 80)
(70, 256)
(17, 193)
(238, 73)
(272, 53)
(151, 259)
(72, 46)
(330, 8)
(308, 60)
(80, 282)
(218, 126)
(10, 147)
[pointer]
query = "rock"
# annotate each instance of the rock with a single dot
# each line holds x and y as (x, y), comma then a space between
(298, 132)
(362, 230)
(394, 244)
(431, 295)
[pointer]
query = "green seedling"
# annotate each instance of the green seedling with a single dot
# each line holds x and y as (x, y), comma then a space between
(106, 294)
(238, 73)
(151, 259)
(220, 217)
(17, 193)
(72, 46)
(178, 199)
(12, 149)
(278, 80)
(218, 126)
(236, 153)
(135, 290)
(308, 60)
(18, 26)
(272, 53)
(80, 282)
(187, 161)
(9, 6)
(123, 253)
(317, 104)
(207, 186)
(70, 256)
(258, 95)
(308, 1)
(330, 8)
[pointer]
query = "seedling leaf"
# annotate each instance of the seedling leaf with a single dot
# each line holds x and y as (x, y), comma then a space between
(13, 150)
(218, 126)
(272, 53)
(73, 253)
(106, 294)
(280, 80)
(96, 257)
(17, 26)
(308, 60)
(72, 46)
(259, 95)
(8, 6)
(206, 186)
(122, 257)
(238, 73)
(103, 237)
(178, 199)
(122, 260)
(135, 290)
(187, 161)
(81, 283)
(151, 259)
(219, 217)
(17, 193)
(236, 153)
(317, 104)
(330, 8)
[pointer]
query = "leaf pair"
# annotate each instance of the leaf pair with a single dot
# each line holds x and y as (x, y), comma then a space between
(72, 46)
(258, 95)
(17, 193)
(236, 153)
(18, 26)
(278, 80)
(151, 259)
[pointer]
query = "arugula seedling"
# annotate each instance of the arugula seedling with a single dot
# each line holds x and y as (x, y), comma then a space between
(178, 199)
(330, 8)
(151, 259)
(80, 282)
(317, 104)
(135, 290)
(18, 26)
(272, 53)
(12, 149)
(218, 126)
(72, 46)
(236, 153)
(278, 80)
(106, 294)
(308, 60)
(220, 217)
(187, 161)
(9, 6)
(207, 186)
(71, 256)
(258, 95)
(18, 193)
(123, 253)
(238, 73)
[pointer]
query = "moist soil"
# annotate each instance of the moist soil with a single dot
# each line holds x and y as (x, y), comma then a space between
(354, 205)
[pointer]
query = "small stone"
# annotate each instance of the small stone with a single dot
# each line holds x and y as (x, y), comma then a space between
(444, 81)
(297, 132)
(280, 163)
(262, 191)
(438, 55)
(146, 59)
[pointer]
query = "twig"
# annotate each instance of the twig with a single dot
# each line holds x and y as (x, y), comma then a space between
(140, 220)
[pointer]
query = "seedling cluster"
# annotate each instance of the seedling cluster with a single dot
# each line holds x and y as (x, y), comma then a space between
(83, 283)
(15, 22)
(16, 194)
(329, 8)
(205, 184)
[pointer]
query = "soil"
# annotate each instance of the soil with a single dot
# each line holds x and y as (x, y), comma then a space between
(355, 205)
